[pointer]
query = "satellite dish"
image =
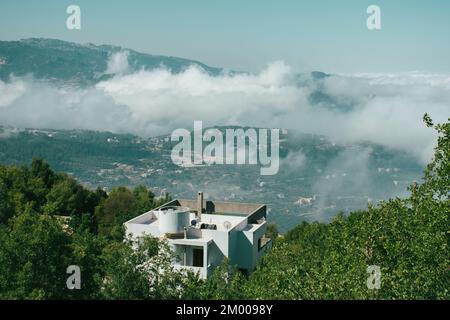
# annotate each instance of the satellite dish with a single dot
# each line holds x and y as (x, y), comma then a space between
(194, 223)
(227, 225)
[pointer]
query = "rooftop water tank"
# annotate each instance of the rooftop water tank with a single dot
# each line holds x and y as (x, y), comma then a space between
(173, 220)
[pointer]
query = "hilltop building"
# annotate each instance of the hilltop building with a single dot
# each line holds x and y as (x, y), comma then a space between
(202, 233)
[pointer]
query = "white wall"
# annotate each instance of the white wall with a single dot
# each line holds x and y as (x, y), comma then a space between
(140, 229)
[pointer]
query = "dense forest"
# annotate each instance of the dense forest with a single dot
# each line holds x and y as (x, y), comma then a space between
(49, 221)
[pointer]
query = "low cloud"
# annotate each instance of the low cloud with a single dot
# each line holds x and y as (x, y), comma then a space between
(118, 63)
(294, 161)
(385, 109)
(347, 175)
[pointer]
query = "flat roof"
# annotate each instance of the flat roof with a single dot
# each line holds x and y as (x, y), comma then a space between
(220, 220)
(224, 215)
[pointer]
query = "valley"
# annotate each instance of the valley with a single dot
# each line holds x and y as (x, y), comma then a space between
(317, 178)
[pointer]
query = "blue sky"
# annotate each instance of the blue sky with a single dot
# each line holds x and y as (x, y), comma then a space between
(326, 35)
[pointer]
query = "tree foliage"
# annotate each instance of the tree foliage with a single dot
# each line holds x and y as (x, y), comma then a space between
(34, 256)
(49, 221)
(141, 269)
(406, 238)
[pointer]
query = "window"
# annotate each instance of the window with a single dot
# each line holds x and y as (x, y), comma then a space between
(197, 257)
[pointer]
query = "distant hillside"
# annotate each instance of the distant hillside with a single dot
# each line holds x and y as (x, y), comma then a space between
(69, 63)
(75, 63)
(317, 177)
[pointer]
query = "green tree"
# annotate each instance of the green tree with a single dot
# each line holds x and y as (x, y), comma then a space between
(68, 198)
(34, 256)
(6, 206)
(226, 282)
(87, 252)
(121, 205)
(113, 211)
(272, 231)
(144, 199)
(41, 170)
(406, 238)
(141, 269)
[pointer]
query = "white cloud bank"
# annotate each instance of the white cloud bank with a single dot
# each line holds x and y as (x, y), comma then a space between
(118, 63)
(386, 109)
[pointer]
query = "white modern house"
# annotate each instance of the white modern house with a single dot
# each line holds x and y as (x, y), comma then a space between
(202, 233)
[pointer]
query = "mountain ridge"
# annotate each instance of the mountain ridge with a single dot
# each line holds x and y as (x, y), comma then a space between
(82, 64)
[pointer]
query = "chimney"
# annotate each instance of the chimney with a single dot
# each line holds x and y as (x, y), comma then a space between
(199, 204)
